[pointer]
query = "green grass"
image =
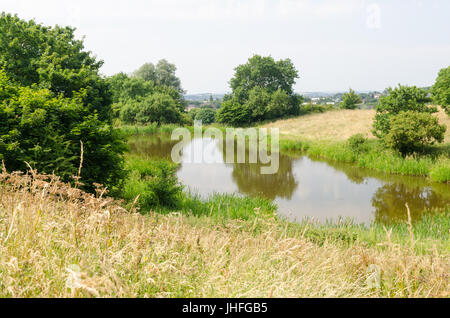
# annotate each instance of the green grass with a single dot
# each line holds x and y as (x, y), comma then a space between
(437, 167)
(153, 186)
(429, 232)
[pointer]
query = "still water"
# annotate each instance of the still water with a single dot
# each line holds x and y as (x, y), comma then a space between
(303, 187)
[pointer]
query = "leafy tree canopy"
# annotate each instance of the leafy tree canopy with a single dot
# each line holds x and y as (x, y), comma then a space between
(163, 74)
(441, 89)
(261, 90)
(132, 97)
(51, 57)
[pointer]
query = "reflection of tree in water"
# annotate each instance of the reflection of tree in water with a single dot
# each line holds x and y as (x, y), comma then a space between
(389, 201)
(249, 179)
(154, 146)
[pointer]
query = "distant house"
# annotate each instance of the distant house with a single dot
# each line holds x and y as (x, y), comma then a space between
(377, 96)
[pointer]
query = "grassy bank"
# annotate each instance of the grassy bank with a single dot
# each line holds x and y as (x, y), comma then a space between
(374, 156)
(153, 186)
(57, 241)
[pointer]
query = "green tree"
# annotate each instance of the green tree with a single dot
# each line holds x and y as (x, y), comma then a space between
(263, 72)
(412, 131)
(52, 58)
(402, 98)
(163, 74)
(441, 89)
(206, 115)
(261, 90)
(350, 100)
(158, 108)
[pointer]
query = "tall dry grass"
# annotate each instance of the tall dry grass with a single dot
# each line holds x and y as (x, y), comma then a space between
(338, 125)
(56, 241)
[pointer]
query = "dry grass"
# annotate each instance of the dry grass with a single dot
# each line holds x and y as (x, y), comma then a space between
(337, 125)
(56, 241)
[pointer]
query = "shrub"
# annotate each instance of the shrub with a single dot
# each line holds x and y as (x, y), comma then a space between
(45, 130)
(358, 143)
(400, 99)
(412, 131)
(155, 182)
(206, 115)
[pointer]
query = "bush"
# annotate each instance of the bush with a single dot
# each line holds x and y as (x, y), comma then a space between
(412, 131)
(155, 182)
(358, 143)
(206, 115)
(400, 99)
(45, 130)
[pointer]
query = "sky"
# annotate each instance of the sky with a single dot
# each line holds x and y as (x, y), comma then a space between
(335, 44)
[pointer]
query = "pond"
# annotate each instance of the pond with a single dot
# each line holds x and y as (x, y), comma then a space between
(303, 187)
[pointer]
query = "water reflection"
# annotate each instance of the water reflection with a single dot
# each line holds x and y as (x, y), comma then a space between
(303, 187)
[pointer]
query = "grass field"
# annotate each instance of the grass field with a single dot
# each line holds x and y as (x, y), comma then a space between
(57, 241)
(337, 125)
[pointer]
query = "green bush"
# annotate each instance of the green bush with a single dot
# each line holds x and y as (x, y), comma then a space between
(411, 132)
(359, 143)
(400, 99)
(45, 130)
(206, 115)
(153, 181)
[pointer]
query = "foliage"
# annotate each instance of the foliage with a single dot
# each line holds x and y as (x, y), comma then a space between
(139, 101)
(45, 130)
(52, 58)
(377, 158)
(402, 98)
(52, 97)
(412, 131)
(153, 182)
(350, 100)
(359, 143)
(261, 90)
(206, 115)
(441, 89)
(163, 74)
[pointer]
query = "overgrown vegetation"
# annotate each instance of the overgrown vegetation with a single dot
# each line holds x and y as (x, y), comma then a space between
(371, 154)
(66, 243)
(404, 122)
(52, 101)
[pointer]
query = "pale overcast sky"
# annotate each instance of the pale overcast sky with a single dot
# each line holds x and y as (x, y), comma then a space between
(335, 44)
